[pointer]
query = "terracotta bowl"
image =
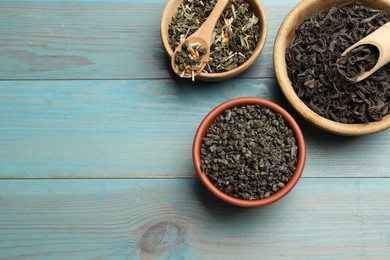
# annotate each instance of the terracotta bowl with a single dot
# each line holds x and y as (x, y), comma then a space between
(285, 36)
(170, 11)
(209, 119)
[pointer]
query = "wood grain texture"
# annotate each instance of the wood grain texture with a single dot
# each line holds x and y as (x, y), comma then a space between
(128, 117)
(145, 128)
(179, 219)
(98, 39)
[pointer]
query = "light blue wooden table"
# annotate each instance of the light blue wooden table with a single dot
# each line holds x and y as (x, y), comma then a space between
(95, 149)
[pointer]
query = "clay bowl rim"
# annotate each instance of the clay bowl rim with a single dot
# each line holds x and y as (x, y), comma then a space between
(237, 102)
(257, 9)
(284, 37)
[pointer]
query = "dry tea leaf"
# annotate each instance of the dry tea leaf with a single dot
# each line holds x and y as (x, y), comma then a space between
(189, 60)
(234, 38)
(249, 153)
(312, 65)
(360, 59)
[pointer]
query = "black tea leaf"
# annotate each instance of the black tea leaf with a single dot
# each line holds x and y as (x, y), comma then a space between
(320, 81)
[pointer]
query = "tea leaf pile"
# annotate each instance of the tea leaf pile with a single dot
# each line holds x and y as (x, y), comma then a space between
(249, 153)
(189, 60)
(360, 59)
(312, 65)
(234, 38)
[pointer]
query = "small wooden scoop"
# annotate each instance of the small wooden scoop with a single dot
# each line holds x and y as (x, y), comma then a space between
(201, 38)
(380, 38)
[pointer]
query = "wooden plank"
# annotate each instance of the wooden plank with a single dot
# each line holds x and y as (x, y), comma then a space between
(179, 219)
(145, 128)
(98, 39)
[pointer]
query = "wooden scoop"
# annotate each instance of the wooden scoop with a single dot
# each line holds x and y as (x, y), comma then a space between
(202, 38)
(380, 38)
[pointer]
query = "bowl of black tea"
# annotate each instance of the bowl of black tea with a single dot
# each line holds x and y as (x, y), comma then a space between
(249, 152)
(320, 82)
(237, 41)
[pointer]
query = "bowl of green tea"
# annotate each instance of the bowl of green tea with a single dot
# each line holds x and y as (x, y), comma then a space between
(238, 37)
(249, 152)
(318, 80)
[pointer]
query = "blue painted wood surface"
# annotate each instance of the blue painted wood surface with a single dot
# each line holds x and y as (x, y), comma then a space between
(95, 149)
(114, 129)
(98, 39)
(331, 218)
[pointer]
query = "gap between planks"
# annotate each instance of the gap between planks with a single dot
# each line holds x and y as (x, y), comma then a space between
(132, 79)
(160, 177)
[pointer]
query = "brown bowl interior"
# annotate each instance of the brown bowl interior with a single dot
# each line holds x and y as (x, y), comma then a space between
(170, 11)
(285, 36)
(209, 119)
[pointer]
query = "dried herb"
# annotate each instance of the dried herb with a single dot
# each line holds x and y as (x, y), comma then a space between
(249, 152)
(235, 35)
(189, 60)
(360, 59)
(312, 65)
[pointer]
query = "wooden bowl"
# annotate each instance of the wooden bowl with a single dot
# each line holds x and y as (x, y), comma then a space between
(170, 11)
(285, 36)
(210, 118)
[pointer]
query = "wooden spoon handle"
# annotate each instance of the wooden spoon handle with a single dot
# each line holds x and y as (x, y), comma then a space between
(206, 30)
(380, 38)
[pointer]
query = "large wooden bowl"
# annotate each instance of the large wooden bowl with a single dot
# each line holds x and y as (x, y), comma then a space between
(170, 11)
(285, 36)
